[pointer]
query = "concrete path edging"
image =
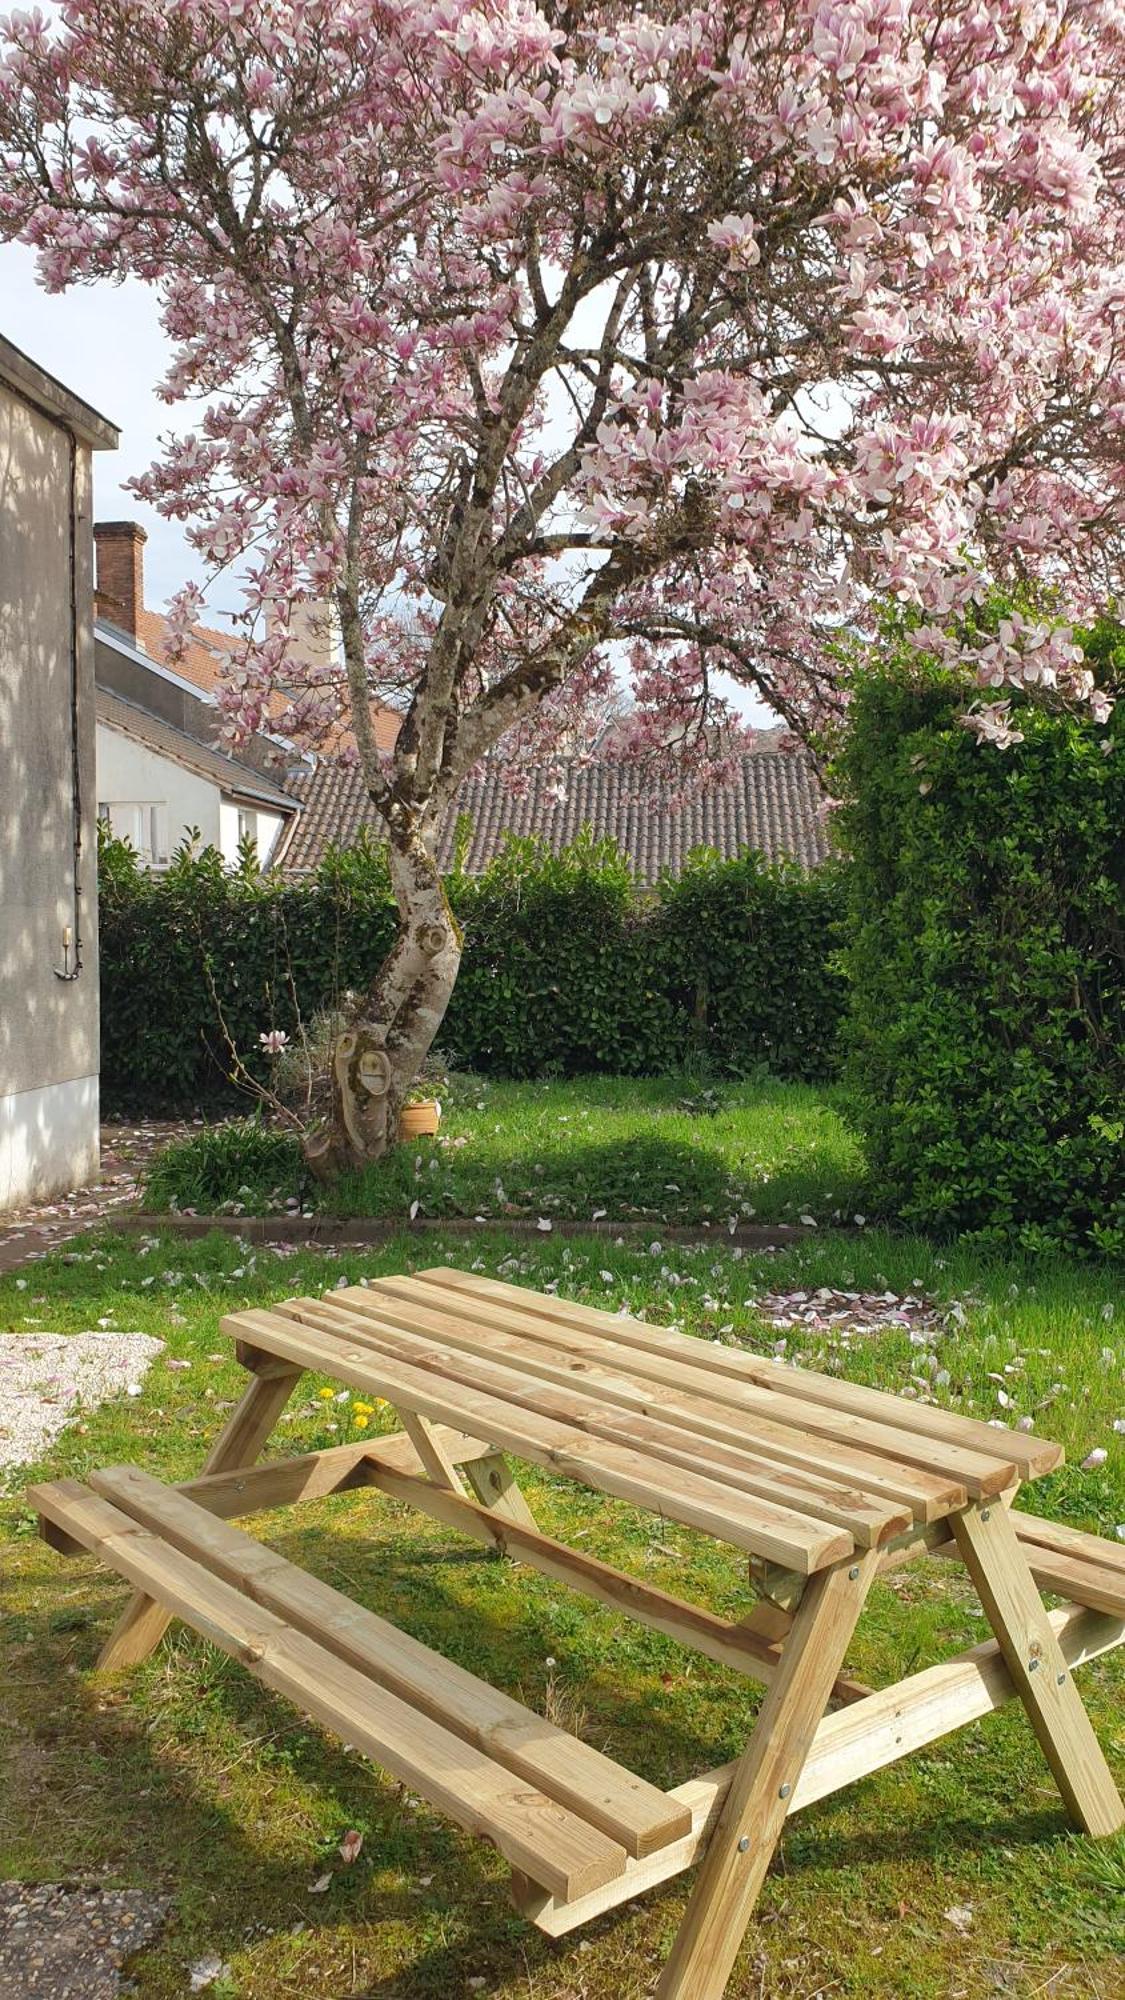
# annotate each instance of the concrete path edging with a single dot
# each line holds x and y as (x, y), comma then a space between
(317, 1229)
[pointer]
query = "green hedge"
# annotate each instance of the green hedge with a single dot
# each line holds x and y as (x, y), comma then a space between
(567, 968)
(985, 1040)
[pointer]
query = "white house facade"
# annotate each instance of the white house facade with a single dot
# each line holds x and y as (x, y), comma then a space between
(48, 798)
(160, 777)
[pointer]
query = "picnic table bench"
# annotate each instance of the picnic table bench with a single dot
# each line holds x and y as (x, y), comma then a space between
(823, 1484)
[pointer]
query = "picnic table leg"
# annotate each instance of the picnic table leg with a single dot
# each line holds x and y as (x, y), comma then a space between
(144, 1622)
(998, 1565)
(749, 1826)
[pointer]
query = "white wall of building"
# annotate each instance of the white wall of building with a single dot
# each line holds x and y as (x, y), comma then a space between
(48, 887)
(130, 774)
(235, 821)
(153, 801)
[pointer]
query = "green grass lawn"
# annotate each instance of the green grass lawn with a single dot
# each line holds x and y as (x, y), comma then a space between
(649, 1149)
(188, 1778)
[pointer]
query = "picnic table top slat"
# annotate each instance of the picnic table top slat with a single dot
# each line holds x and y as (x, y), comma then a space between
(876, 1429)
(1031, 1456)
(718, 1404)
(778, 1533)
(608, 1406)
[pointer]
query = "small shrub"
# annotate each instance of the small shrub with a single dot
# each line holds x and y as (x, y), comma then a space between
(243, 1165)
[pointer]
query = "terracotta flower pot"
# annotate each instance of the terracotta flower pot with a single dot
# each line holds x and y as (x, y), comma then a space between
(419, 1121)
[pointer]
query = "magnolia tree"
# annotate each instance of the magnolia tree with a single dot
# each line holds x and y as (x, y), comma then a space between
(549, 342)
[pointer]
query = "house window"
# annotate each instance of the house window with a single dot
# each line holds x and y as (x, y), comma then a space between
(138, 822)
(247, 826)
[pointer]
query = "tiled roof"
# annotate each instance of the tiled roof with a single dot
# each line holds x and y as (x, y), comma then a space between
(774, 804)
(241, 780)
(203, 662)
(203, 653)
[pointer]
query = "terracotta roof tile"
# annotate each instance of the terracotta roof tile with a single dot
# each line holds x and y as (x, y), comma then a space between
(774, 804)
(202, 665)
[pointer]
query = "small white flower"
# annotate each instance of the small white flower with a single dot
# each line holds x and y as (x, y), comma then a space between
(274, 1041)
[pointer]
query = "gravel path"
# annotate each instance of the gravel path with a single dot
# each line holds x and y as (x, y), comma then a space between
(48, 1379)
(59, 1941)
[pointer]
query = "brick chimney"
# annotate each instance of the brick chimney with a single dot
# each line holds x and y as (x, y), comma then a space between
(120, 573)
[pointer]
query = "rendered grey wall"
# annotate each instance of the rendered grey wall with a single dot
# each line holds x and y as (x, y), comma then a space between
(48, 1027)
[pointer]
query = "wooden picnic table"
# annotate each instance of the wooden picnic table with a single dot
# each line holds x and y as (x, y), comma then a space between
(823, 1484)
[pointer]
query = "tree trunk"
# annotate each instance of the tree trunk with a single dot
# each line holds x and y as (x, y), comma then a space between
(380, 1052)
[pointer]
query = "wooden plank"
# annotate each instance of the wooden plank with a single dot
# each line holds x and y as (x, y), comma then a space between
(144, 1622)
(848, 1745)
(495, 1485)
(727, 1442)
(379, 1464)
(929, 1495)
(631, 1811)
(535, 1834)
(998, 1567)
(976, 1473)
(737, 1470)
(1032, 1456)
(435, 1461)
(1081, 1582)
(488, 1474)
(731, 1644)
(629, 1475)
(753, 1813)
(312, 1475)
(1063, 1540)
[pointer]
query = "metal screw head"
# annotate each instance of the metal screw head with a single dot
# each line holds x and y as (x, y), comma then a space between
(986, 1514)
(783, 1791)
(1033, 1666)
(744, 1843)
(853, 1574)
(1060, 1678)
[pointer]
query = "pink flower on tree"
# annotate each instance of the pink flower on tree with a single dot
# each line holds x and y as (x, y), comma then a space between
(531, 341)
